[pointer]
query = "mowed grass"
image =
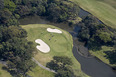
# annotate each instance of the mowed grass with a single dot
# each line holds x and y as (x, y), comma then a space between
(105, 10)
(4, 73)
(60, 44)
(40, 72)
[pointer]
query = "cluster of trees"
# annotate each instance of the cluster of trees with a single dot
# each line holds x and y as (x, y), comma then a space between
(96, 34)
(111, 56)
(62, 65)
(61, 10)
(54, 10)
(16, 50)
(14, 47)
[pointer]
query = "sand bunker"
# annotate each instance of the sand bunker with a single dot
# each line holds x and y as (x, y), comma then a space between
(43, 47)
(54, 30)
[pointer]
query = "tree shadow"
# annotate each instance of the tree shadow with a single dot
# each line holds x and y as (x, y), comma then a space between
(12, 72)
(94, 46)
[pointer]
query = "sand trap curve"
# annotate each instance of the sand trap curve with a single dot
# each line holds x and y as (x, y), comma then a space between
(43, 47)
(54, 30)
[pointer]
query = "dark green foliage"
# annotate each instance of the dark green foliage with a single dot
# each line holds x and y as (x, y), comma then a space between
(41, 10)
(5, 16)
(67, 73)
(95, 34)
(62, 65)
(104, 36)
(59, 62)
(1, 4)
(54, 10)
(9, 5)
(12, 31)
(111, 55)
(84, 34)
(88, 27)
(15, 49)
(22, 10)
(63, 59)
(59, 11)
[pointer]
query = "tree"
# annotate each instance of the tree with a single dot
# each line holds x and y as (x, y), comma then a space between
(84, 34)
(63, 59)
(62, 73)
(15, 49)
(62, 65)
(13, 31)
(1, 4)
(10, 5)
(59, 11)
(41, 10)
(111, 55)
(104, 36)
(22, 10)
(5, 16)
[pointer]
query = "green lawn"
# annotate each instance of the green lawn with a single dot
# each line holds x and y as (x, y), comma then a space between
(60, 44)
(4, 73)
(105, 10)
(40, 72)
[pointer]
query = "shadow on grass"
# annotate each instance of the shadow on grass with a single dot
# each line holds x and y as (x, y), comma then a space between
(12, 72)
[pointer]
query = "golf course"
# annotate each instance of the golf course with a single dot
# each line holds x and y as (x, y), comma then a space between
(57, 38)
(105, 10)
(60, 45)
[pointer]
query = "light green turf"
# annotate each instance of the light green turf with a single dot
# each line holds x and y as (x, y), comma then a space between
(101, 54)
(4, 73)
(40, 72)
(60, 44)
(105, 10)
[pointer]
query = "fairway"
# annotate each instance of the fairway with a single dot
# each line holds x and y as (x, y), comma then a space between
(105, 10)
(60, 44)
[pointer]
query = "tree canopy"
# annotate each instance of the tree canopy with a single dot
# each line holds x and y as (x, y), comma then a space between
(95, 34)
(62, 65)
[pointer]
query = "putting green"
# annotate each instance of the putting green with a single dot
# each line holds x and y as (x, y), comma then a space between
(105, 10)
(60, 44)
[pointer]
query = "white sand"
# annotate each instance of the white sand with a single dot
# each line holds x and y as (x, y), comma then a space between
(54, 30)
(43, 47)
